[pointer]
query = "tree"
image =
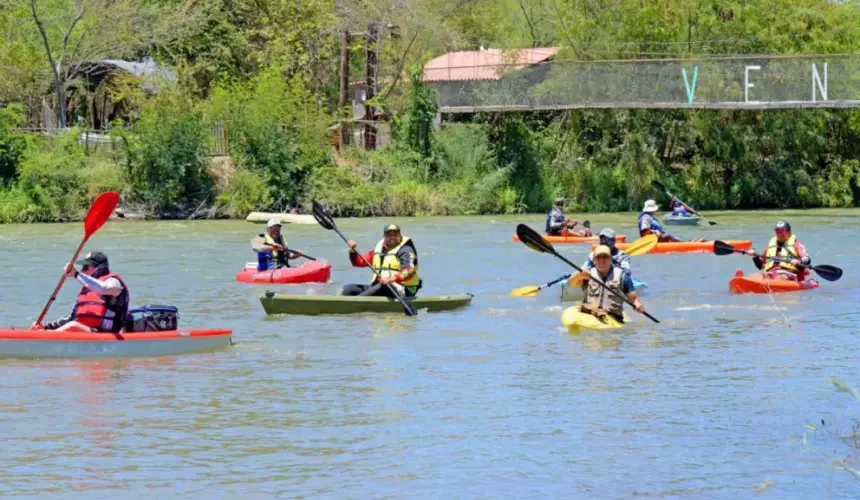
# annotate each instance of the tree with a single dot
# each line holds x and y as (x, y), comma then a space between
(73, 33)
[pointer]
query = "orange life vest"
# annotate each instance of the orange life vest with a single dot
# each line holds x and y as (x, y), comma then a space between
(104, 313)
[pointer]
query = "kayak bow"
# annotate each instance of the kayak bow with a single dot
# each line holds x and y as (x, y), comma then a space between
(758, 283)
(576, 321)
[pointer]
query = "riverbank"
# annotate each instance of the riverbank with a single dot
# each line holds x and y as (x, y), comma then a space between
(600, 161)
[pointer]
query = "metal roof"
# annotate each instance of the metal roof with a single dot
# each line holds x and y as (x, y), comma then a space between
(489, 64)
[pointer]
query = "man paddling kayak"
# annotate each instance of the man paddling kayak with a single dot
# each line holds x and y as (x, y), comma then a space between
(648, 224)
(598, 300)
(678, 208)
(784, 244)
(394, 258)
(619, 258)
(271, 248)
(102, 303)
(559, 225)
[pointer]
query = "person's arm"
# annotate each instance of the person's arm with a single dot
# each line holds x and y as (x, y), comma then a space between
(294, 254)
(803, 257)
(258, 244)
(557, 220)
(53, 325)
(408, 258)
(630, 292)
(624, 261)
(356, 261)
(110, 287)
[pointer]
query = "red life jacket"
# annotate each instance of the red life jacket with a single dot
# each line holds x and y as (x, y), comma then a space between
(102, 312)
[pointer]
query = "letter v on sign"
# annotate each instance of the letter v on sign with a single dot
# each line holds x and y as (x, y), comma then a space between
(691, 89)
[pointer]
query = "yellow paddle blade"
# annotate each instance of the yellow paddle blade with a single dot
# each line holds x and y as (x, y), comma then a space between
(577, 280)
(525, 291)
(642, 245)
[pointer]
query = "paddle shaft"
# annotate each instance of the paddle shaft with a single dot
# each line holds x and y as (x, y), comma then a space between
(619, 295)
(60, 284)
(553, 282)
(303, 255)
(406, 307)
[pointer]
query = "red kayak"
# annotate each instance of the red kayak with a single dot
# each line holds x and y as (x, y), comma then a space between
(758, 283)
(52, 344)
(312, 271)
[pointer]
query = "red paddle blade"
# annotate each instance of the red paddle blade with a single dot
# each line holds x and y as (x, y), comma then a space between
(100, 212)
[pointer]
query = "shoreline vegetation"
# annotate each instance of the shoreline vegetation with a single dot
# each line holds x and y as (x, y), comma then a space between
(269, 72)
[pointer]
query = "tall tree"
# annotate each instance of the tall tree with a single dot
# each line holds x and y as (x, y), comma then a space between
(73, 33)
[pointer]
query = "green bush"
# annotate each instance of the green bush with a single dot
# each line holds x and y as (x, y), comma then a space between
(246, 192)
(167, 153)
(275, 130)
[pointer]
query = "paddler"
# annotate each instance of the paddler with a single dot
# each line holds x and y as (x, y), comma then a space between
(679, 209)
(598, 300)
(784, 244)
(648, 224)
(559, 225)
(394, 258)
(271, 248)
(619, 258)
(102, 303)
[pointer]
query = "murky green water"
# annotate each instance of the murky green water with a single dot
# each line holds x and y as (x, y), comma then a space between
(494, 401)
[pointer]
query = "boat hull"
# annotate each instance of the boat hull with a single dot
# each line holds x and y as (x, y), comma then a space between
(50, 344)
(338, 304)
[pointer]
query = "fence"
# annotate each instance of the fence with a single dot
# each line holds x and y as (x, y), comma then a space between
(749, 82)
(100, 141)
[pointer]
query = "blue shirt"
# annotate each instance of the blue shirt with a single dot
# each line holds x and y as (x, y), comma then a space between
(554, 219)
(648, 222)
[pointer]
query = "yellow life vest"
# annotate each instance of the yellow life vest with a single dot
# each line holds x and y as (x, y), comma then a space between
(276, 255)
(387, 264)
(787, 250)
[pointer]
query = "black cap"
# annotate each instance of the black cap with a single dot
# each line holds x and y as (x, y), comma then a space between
(783, 225)
(94, 259)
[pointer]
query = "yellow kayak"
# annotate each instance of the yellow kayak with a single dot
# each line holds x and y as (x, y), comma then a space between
(575, 321)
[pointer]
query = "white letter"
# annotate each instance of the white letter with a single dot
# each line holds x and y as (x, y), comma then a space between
(747, 84)
(822, 87)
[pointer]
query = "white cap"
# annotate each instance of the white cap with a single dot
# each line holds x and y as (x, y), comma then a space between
(651, 206)
(273, 222)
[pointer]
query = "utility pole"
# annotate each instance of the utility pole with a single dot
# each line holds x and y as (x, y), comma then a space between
(344, 81)
(370, 46)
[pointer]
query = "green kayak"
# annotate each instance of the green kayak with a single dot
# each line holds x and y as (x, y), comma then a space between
(276, 303)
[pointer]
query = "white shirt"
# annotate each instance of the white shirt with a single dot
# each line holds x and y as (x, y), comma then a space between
(110, 287)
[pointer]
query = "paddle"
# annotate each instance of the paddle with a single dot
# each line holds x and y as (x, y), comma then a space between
(536, 242)
(638, 247)
(660, 187)
(530, 290)
(325, 220)
(293, 252)
(99, 213)
(826, 271)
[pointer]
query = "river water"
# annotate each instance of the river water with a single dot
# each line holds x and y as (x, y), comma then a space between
(493, 401)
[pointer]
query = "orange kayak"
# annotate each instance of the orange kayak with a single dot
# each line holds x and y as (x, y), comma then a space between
(688, 246)
(758, 283)
(576, 239)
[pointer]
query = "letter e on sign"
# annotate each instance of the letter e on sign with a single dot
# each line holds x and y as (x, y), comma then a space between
(747, 84)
